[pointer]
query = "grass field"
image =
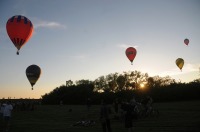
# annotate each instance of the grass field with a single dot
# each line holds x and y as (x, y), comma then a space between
(173, 117)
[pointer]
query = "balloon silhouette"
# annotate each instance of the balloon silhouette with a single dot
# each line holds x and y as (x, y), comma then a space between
(19, 29)
(180, 63)
(131, 53)
(186, 41)
(33, 74)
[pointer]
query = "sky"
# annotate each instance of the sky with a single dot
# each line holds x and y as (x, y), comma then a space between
(86, 39)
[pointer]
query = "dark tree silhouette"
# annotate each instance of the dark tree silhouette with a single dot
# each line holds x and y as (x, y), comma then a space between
(124, 87)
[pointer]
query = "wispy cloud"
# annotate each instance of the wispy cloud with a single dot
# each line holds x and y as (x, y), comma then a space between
(47, 24)
(80, 57)
(124, 46)
(186, 69)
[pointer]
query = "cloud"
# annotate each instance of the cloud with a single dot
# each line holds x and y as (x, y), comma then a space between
(47, 24)
(80, 56)
(186, 69)
(124, 46)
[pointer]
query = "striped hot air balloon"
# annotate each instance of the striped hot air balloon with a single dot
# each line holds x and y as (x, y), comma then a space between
(19, 29)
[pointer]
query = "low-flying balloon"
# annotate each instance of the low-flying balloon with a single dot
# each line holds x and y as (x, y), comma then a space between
(19, 29)
(131, 53)
(33, 74)
(180, 63)
(186, 41)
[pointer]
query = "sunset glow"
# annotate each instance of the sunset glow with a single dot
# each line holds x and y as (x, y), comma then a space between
(87, 39)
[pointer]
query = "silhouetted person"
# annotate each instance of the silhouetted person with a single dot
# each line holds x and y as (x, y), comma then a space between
(88, 103)
(2, 106)
(116, 106)
(147, 102)
(61, 102)
(104, 117)
(7, 114)
(129, 110)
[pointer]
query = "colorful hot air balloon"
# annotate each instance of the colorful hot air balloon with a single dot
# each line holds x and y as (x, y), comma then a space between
(19, 29)
(33, 74)
(131, 53)
(186, 41)
(180, 63)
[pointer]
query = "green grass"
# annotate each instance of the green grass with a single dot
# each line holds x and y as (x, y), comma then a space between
(173, 117)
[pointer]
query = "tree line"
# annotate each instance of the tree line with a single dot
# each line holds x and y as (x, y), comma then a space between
(123, 87)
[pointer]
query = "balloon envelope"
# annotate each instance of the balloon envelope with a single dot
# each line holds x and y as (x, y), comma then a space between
(33, 74)
(186, 41)
(180, 63)
(19, 29)
(131, 53)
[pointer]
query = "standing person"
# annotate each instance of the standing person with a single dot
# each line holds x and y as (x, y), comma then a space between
(7, 114)
(129, 109)
(61, 102)
(116, 106)
(147, 102)
(88, 103)
(104, 117)
(2, 106)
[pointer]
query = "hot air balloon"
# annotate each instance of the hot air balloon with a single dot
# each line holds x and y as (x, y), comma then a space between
(19, 29)
(33, 74)
(186, 41)
(180, 63)
(131, 53)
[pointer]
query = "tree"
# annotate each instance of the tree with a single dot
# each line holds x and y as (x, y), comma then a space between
(134, 79)
(69, 83)
(123, 86)
(111, 81)
(157, 81)
(121, 81)
(101, 84)
(79, 82)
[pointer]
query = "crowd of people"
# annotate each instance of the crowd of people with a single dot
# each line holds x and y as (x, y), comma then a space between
(124, 111)
(7, 107)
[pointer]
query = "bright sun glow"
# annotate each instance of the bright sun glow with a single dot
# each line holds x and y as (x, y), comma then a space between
(142, 85)
(100, 91)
